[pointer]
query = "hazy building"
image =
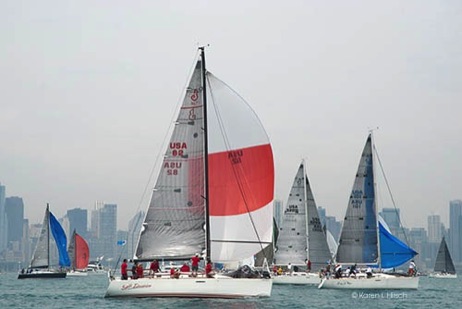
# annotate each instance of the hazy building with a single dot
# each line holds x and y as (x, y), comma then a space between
(105, 227)
(334, 227)
(434, 229)
(322, 215)
(455, 230)
(418, 240)
(277, 211)
(14, 209)
(391, 217)
(78, 221)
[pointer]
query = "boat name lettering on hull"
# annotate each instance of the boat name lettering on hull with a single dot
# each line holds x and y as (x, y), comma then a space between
(132, 286)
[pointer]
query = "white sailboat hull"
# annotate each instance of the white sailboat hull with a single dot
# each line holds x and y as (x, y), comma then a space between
(77, 273)
(442, 276)
(189, 287)
(300, 278)
(377, 282)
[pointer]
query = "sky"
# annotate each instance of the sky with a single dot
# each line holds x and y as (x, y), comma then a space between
(88, 90)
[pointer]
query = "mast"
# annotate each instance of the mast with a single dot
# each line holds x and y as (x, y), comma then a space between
(306, 212)
(48, 235)
(206, 154)
(379, 255)
(74, 240)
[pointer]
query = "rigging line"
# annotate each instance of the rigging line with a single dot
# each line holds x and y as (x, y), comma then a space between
(228, 148)
(389, 191)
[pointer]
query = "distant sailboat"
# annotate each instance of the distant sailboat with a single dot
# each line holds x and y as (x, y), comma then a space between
(40, 266)
(444, 267)
(365, 241)
(301, 236)
(213, 196)
(79, 254)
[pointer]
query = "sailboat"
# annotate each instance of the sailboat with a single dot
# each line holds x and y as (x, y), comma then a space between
(79, 254)
(213, 196)
(301, 236)
(40, 266)
(365, 241)
(444, 267)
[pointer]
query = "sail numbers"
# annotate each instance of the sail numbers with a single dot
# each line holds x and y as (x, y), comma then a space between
(177, 149)
(356, 198)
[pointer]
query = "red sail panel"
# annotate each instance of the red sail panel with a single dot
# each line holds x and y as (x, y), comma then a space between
(82, 252)
(240, 180)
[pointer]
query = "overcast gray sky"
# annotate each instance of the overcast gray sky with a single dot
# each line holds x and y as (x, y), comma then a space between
(88, 89)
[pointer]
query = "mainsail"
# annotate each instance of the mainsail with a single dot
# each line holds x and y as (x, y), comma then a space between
(174, 224)
(41, 256)
(358, 240)
(230, 151)
(301, 235)
(443, 261)
(361, 232)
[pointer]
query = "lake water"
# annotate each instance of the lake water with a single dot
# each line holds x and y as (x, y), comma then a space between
(88, 292)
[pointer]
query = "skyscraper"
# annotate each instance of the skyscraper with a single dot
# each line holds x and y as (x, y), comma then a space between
(434, 229)
(14, 209)
(77, 221)
(455, 230)
(391, 217)
(108, 230)
(277, 212)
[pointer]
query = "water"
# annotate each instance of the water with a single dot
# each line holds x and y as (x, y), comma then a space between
(88, 292)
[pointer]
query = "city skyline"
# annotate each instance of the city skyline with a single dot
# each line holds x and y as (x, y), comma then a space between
(99, 228)
(277, 212)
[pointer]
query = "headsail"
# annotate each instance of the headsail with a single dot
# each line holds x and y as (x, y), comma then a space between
(393, 252)
(443, 259)
(79, 252)
(358, 240)
(61, 241)
(241, 176)
(318, 249)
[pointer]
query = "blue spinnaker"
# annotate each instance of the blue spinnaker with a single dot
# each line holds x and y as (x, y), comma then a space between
(393, 251)
(61, 241)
